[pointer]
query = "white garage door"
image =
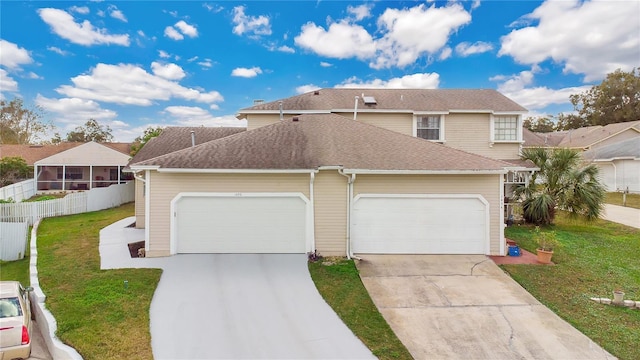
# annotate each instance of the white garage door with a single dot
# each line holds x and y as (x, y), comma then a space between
(403, 224)
(249, 223)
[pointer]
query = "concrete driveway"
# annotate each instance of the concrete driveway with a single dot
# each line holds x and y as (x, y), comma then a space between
(235, 306)
(466, 307)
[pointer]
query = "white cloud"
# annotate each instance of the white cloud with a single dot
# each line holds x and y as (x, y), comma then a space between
(117, 14)
(325, 64)
(84, 10)
(403, 35)
(475, 4)
(413, 81)
(587, 37)
(130, 84)
(74, 110)
(445, 53)
(34, 76)
(13, 56)
(58, 51)
(172, 33)
(63, 24)
(167, 71)
(163, 54)
(214, 8)
(187, 29)
(206, 63)
(7, 83)
(286, 49)
(411, 33)
(465, 49)
(360, 12)
(255, 26)
(306, 88)
(246, 72)
(196, 116)
(184, 29)
(341, 41)
(518, 88)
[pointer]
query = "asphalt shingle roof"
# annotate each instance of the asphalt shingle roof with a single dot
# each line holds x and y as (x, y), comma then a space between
(33, 153)
(176, 138)
(625, 149)
(317, 140)
(579, 138)
(395, 99)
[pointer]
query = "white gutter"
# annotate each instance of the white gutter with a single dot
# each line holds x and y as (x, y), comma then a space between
(424, 172)
(350, 180)
(355, 109)
(233, 171)
(138, 177)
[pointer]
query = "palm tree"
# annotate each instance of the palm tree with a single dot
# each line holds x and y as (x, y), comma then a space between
(563, 182)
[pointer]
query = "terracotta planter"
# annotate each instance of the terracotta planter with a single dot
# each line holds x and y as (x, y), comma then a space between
(544, 256)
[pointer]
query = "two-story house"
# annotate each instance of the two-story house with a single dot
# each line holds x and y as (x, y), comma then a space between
(343, 172)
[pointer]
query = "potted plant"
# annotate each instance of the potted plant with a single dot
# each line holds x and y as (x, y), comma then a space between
(546, 241)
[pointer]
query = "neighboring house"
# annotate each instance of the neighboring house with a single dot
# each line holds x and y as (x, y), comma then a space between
(170, 140)
(619, 164)
(33, 153)
(82, 167)
(343, 171)
(614, 148)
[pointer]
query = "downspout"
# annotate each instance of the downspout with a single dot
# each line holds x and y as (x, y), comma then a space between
(355, 113)
(615, 176)
(138, 177)
(281, 111)
(350, 180)
(312, 230)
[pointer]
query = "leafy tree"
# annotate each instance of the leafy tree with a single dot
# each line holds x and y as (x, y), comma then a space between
(540, 124)
(21, 125)
(91, 131)
(140, 141)
(570, 121)
(561, 183)
(14, 169)
(616, 99)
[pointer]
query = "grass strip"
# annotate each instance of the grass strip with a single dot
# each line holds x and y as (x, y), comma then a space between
(594, 259)
(96, 313)
(339, 284)
(615, 198)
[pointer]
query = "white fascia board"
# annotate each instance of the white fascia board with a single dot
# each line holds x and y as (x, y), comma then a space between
(144, 167)
(424, 172)
(290, 112)
(616, 158)
(236, 171)
(428, 112)
(510, 112)
(521, 168)
(381, 111)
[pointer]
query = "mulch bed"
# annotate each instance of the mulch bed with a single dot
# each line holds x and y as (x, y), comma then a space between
(133, 248)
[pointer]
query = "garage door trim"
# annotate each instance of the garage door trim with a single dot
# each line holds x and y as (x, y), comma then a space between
(487, 231)
(309, 241)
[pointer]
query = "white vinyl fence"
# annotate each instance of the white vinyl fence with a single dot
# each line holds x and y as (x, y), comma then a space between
(13, 240)
(74, 203)
(19, 191)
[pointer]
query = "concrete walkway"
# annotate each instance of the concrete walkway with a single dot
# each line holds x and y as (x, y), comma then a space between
(465, 307)
(235, 306)
(622, 215)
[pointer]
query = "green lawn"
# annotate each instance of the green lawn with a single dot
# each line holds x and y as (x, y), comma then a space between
(339, 283)
(594, 259)
(96, 314)
(615, 198)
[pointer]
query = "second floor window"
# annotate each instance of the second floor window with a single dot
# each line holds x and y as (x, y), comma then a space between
(428, 127)
(506, 128)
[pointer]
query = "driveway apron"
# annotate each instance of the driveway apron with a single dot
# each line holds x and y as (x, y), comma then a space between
(241, 306)
(466, 307)
(234, 306)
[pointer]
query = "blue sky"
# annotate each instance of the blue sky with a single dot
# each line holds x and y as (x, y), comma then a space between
(134, 64)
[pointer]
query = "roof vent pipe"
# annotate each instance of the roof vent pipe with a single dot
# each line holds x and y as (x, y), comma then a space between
(281, 112)
(193, 138)
(355, 109)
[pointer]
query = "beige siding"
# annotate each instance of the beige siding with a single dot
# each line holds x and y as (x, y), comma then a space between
(402, 123)
(471, 133)
(486, 185)
(330, 198)
(625, 135)
(139, 203)
(164, 188)
(255, 121)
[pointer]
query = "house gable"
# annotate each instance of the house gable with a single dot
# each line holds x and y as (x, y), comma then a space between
(90, 153)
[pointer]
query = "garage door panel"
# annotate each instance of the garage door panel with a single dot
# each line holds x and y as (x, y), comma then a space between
(217, 224)
(419, 225)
